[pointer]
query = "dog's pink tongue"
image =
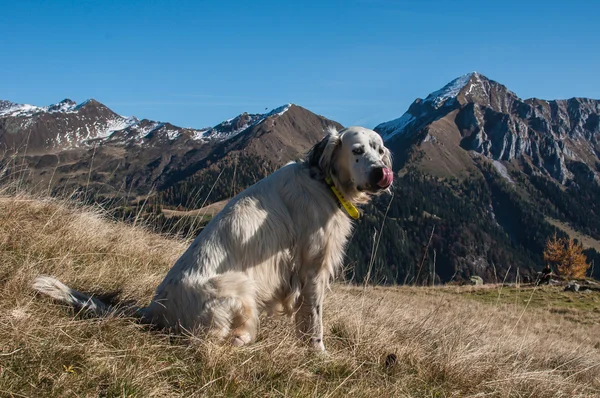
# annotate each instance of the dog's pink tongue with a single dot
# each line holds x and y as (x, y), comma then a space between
(387, 179)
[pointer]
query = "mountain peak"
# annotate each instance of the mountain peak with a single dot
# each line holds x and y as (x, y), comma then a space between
(450, 92)
(232, 127)
(280, 110)
(89, 101)
(472, 87)
(8, 108)
(65, 105)
(4, 105)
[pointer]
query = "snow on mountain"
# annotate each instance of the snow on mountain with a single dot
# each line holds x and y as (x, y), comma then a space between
(442, 98)
(396, 126)
(8, 108)
(116, 124)
(12, 109)
(199, 135)
(143, 131)
(65, 105)
(450, 91)
(278, 111)
(274, 112)
(172, 134)
(139, 131)
(4, 105)
(232, 127)
(494, 122)
(102, 129)
(67, 124)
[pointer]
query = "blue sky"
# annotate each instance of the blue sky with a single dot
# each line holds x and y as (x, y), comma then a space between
(196, 63)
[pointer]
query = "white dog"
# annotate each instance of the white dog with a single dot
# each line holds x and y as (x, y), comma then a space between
(274, 247)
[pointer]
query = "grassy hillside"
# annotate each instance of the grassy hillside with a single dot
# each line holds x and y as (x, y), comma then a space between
(586, 241)
(450, 341)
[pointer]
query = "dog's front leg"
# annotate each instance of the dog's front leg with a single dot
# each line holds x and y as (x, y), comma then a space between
(309, 318)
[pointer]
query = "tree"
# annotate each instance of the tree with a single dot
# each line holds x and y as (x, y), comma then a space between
(567, 256)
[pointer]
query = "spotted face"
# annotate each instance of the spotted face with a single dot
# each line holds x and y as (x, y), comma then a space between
(355, 159)
(366, 159)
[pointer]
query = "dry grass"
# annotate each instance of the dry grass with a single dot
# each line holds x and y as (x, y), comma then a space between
(207, 211)
(448, 341)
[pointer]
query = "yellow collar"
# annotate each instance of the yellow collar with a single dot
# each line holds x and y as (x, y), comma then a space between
(349, 207)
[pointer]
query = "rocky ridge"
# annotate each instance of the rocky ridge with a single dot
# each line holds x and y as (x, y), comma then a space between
(494, 122)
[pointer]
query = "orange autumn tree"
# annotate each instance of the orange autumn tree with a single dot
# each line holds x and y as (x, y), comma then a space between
(567, 256)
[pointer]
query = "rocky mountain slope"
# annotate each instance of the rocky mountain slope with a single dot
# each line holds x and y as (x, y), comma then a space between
(486, 170)
(66, 146)
(477, 114)
(59, 126)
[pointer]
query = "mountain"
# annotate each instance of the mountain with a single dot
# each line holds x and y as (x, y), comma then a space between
(274, 139)
(67, 146)
(476, 114)
(483, 178)
(57, 126)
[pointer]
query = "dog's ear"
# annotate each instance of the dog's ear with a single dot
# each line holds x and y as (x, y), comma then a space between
(387, 158)
(322, 154)
(328, 156)
(313, 158)
(387, 161)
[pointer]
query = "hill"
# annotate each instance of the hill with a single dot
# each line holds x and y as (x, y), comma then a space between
(445, 341)
(69, 147)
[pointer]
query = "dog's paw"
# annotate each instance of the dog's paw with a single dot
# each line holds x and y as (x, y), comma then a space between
(317, 345)
(241, 340)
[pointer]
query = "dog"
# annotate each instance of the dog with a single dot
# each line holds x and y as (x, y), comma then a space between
(274, 247)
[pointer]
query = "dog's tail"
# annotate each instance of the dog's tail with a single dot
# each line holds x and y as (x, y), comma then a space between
(81, 302)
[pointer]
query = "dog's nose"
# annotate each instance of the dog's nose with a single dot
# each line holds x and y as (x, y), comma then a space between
(381, 177)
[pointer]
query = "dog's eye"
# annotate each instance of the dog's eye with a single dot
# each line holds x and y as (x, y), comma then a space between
(381, 151)
(358, 151)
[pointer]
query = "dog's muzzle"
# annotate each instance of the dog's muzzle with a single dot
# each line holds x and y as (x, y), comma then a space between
(381, 177)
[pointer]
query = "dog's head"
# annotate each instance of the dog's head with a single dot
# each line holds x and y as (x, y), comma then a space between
(356, 160)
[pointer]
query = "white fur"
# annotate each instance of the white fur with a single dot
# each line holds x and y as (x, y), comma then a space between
(273, 248)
